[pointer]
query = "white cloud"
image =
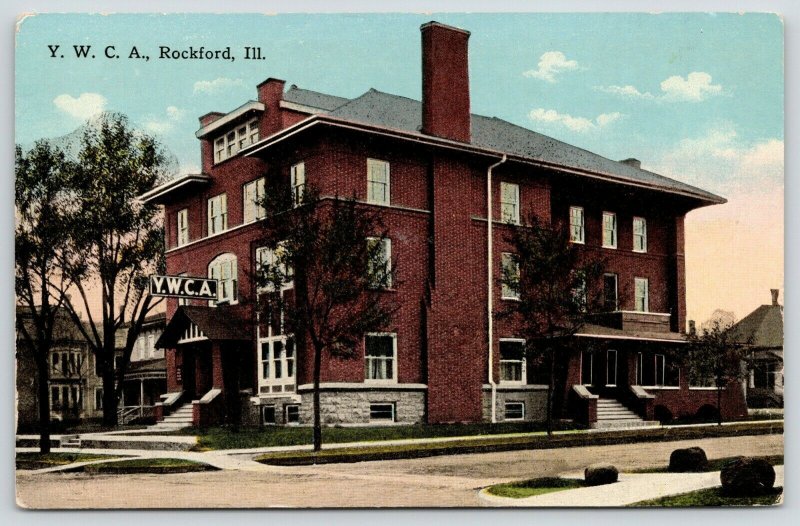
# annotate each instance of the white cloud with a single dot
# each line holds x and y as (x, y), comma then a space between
(164, 124)
(576, 124)
(695, 87)
(625, 91)
(86, 106)
(551, 64)
(217, 85)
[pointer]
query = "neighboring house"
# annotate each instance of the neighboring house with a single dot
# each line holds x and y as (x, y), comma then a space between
(762, 331)
(145, 379)
(75, 388)
(425, 165)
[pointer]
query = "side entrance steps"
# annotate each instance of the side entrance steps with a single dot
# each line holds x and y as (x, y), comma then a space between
(611, 414)
(178, 419)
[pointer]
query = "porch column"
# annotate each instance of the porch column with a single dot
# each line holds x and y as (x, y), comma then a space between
(216, 366)
(141, 397)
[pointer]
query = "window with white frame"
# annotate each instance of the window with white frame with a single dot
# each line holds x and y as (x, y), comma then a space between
(667, 372)
(292, 413)
(381, 276)
(641, 295)
(151, 345)
(610, 298)
(512, 361)
(378, 186)
(217, 214)
(609, 230)
(514, 410)
(639, 234)
(253, 197)
(66, 397)
(382, 412)
(509, 266)
(223, 269)
(587, 367)
(277, 357)
(183, 227)
(268, 414)
(509, 203)
(380, 357)
(236, 140)
(576, 227)
(267, 258)
(298, 182)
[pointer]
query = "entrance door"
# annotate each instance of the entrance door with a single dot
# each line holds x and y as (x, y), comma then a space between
(611, 368)
(188, 372)
(587, 368)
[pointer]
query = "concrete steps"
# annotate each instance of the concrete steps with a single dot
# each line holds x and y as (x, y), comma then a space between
(178, 419)
(611, 414)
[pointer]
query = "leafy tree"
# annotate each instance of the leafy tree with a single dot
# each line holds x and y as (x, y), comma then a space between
(321, 246)
(718, 357)
(557, 289)
(116, 242)
(41, 202)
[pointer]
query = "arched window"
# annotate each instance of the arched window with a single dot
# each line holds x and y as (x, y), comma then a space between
(223, 269)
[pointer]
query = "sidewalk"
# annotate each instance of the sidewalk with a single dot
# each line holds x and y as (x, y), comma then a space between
(631, 488)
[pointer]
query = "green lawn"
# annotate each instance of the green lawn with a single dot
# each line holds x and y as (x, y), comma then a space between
(530, 488)
(244, 438)
(39, 461)
(711, 497)
(148, 465)
(715, 464)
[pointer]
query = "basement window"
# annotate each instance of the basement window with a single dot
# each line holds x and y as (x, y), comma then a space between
(515, 410)
(268, 414)
(292, 413)
(382, 412)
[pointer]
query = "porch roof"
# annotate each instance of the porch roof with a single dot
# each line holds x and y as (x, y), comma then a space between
(147, 369)
(599, 331)
(224, 322)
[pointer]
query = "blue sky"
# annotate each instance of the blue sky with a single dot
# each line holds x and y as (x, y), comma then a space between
(695, 96)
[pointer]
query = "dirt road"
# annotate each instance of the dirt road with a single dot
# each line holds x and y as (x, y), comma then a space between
(438, 481)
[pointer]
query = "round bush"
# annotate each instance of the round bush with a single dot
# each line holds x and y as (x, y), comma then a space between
(689, 459)
(662, 414)
(747, 476)
(707, 413)
(599, 474)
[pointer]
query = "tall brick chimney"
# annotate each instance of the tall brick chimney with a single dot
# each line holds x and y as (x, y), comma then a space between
(445, 82)
(270, 93)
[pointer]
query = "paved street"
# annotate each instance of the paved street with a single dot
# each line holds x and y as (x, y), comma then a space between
(438, 481)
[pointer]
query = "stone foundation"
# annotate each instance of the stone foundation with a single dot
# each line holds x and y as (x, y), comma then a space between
(534, 398)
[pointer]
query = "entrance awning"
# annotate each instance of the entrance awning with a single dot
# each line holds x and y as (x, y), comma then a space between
(599, 331)
(224, 322)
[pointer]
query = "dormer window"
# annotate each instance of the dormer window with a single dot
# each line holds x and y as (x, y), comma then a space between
(236, 140)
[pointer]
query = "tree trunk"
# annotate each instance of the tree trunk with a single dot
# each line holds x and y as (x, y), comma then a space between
(317, 420)
(550, 388)
(44, 405)
(719, 406)
(110, 400)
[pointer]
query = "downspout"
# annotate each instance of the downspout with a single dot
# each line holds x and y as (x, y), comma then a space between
(489, 283)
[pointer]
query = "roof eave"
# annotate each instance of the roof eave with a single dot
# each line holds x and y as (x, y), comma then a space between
(160, 194)
(229, 118)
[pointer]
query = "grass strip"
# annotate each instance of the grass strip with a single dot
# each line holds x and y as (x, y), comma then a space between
(714, 464)
(533, 487)
(35, 460)
(493, 444)
(710, 497)
(148, 465)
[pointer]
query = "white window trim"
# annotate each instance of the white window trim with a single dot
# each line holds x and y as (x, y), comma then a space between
(616, 368)
(644, 234)
(505, 410)
(298, 188)
(646, 289)
(616, 289)
(514, 217)
(523, 373)
(219, 260)
(253, 205)
(393, 418)
(182, 227)
(222, 144)
(222, 203)
(286, 414)
(388, 381)
(284, 380)
(613, 231)
(370, 198)
(573, 239)
(506, 292)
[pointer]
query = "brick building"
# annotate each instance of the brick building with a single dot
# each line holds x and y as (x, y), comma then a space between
(436, 171)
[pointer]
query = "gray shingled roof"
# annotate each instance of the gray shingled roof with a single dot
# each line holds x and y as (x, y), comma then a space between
(313, 99)
(764, 325)
(391, 111)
